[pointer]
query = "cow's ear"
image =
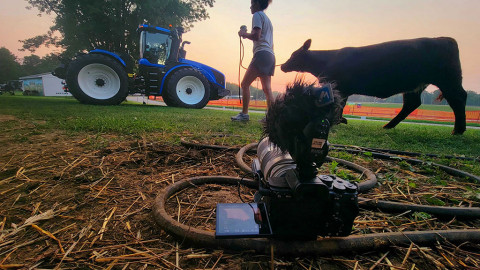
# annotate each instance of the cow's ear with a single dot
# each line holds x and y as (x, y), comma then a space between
(307, 44)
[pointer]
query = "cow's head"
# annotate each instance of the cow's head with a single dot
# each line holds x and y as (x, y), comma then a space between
(298, 58)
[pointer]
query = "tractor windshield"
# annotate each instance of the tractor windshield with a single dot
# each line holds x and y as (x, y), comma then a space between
(155, 47)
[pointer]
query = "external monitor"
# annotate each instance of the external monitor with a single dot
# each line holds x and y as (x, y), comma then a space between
(237, 220)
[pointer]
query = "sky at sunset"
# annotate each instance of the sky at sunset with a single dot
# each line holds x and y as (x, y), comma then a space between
(330, 25)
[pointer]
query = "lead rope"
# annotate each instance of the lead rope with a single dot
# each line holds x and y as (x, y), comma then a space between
(240, 66)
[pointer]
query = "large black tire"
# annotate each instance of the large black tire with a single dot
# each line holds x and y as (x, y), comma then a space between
(187, 88)
(97, 79)
(168, 100)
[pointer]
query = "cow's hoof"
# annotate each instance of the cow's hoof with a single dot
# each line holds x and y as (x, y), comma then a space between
(388, 126)
(457, 132)
(343, 120)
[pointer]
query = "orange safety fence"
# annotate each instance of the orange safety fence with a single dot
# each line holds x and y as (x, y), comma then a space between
(230, 103)
(380, 112)
(235, 103)
(418, 114)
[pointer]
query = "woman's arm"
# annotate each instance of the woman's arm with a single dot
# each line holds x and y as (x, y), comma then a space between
(254, 35)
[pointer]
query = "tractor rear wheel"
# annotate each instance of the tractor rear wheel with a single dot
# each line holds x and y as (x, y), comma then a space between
(168, 100)
(97, 79)
(188, 88)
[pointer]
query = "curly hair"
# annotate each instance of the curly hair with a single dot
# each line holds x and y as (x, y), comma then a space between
(290, 113)
(263, 3)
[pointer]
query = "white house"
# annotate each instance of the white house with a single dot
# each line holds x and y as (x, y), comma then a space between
(45, 84)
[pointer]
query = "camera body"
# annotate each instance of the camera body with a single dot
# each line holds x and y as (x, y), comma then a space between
(293, 201)
(300, 208)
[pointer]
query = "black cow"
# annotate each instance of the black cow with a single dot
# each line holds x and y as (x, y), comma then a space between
(386, 69)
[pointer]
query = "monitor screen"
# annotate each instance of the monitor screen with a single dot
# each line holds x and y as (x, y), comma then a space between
(237, 220)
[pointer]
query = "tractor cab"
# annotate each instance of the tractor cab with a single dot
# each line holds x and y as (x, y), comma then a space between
(160, 46)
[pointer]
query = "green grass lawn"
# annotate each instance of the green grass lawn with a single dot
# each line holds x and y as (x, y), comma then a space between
(44, 114)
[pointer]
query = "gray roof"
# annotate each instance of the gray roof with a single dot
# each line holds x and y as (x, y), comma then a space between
(35, 76)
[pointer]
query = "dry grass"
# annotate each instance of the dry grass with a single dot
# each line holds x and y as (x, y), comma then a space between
(85, 202)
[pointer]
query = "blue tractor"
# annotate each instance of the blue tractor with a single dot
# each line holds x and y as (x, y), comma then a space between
(106, 78)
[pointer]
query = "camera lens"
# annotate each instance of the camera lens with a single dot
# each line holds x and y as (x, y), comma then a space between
(273, 162)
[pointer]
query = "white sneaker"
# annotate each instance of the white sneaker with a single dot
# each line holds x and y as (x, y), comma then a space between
(241, 117)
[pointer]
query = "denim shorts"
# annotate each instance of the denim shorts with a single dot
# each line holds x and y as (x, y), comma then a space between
(264, 62)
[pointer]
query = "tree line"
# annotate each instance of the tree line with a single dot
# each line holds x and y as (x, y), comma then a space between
(12, 68)
(473, 98)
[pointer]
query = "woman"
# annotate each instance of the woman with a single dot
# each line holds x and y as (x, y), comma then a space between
(263, 62)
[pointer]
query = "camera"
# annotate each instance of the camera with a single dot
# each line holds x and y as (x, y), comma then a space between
(293, 201)
(301, 208)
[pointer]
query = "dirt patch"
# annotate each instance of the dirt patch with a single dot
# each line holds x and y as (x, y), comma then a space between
(6, 117)
(93, 197)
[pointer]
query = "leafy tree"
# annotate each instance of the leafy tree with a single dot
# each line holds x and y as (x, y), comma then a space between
(393, 99)
(111, 24)
(427, 98)
(9, 67)
(473, 99)
(436, 95)
(33, 64)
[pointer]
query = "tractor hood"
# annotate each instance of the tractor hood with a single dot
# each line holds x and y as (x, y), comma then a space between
(218, 76)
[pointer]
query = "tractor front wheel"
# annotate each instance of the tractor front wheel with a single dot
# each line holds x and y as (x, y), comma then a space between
(187, 88)
(97, 79)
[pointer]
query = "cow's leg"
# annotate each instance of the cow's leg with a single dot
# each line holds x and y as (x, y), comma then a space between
(411, 101)
(456, 97)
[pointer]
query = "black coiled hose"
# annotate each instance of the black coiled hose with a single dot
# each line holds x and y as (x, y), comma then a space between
(325, 246)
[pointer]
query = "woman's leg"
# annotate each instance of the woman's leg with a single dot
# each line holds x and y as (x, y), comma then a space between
(267, 89)
(250, 75)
